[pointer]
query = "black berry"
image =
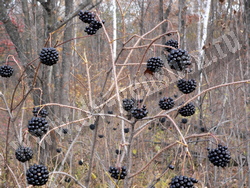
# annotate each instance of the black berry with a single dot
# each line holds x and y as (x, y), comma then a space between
(49, 56)
(37, 175)
(184, 120)
(58, 150)
(110, 112)
(154, 64)
(186, 86)
(171, 167)
(139, 113)
(126, 130)
(38, 126)
(166, 103)
(220, 156)
(172, 43)
(6, 71)
(65, 131)
(67, 179)
(162, 120)
(117, 151)
(203, 129)
(100, 136)
(80, 162)
(92, 126)
(178, 59)
(187, 110)
(24, 154)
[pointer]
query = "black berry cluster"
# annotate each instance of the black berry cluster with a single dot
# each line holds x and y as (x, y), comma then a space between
(182, 182)
(154, 64)
(37, 175)
(89, 18)
(128, 104)
(220, 156)
(49, 56)
(118, 173)
(24, 154)
(6, 71)
(37, 111)
(187, 110)
(38, 126)
(166, 103)
(139, 113)
(186, 86)
(178, 59)
(86, 16)
(172, 43)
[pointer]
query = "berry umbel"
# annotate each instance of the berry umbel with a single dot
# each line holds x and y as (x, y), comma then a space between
(89, 18)
(182, 181)
(86, 16)
(118, 173)
(178, 59)
(172, 43)
(187, 110)
(37, 111)
(49, 56)
(37, 175)
(154, 64)
(128, 104)
(24, 154)
(6, 71)
(220, 156)
(166, 103)
(139, 113)
(38, 126)
(186, 86)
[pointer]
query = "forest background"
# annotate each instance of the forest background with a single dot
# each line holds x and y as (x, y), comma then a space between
(95, 73)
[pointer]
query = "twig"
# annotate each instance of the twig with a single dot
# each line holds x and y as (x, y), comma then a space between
(215, 87)
(14, 176)
(167, 147)
(66, 174)
(68, 152)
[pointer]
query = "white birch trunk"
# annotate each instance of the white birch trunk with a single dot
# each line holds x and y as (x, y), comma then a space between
(202, 36)
(114, 29)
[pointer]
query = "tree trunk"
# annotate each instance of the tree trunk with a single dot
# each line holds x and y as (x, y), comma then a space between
(182, 23)
(66, 63)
